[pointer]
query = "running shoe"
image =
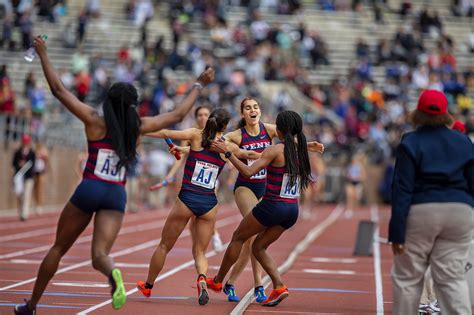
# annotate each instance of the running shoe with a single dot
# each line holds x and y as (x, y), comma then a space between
(217, 242)
(428, 309)
(259, 293)
(22, 309)
(276, 296)
(229, 290)
(141, 287)
(216, 287)
(119, 295)
(435, 306)
(202, 290)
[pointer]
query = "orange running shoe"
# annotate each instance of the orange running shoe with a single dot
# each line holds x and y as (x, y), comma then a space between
(216, 287)
(141, 287)
(202, 290)
(276, 296)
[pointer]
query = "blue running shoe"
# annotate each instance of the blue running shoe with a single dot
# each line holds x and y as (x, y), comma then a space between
(259, 293)
(229, 289)
(22, 309)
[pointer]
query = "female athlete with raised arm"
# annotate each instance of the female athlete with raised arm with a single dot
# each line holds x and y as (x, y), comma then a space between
(112, 140)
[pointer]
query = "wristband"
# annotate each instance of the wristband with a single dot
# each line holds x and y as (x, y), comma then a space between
(198, 85)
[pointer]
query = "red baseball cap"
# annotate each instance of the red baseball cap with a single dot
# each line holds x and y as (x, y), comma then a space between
(26, 139)
(459, 126)
(433, 102)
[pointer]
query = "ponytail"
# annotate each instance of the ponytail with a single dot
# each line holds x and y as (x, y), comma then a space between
(217, 122)
(209, 132)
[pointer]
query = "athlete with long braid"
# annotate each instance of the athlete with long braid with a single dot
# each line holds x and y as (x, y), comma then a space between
(252, 135)
(112, 140)
(289, 173)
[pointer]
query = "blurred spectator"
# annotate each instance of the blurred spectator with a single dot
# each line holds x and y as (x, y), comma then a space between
(29, 83)
(82, 22)
(92, 8)
(83, 81)
(26, 27)
(40, 170)
(7, 33)
(80, 61)
(23, 165)
(46, 10)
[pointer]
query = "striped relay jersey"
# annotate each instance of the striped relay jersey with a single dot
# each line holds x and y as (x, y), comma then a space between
(257, 144)
(102, 163)
(278, 187)
(201, 171)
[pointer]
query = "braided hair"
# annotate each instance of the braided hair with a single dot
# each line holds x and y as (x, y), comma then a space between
(290, 124)
(122, 121)
(217, 121)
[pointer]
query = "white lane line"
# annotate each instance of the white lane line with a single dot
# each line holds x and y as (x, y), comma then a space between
(28, 234)
(81, 285)
(25, 261)
(330, 272)
(84, 239)
(165, 275)
(374, 216)
(123, 252)
(334, 260)
(301, 247)
(127, 265)
(46, 231)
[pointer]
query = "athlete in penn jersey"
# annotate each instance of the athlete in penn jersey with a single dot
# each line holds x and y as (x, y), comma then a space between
(288, 173)
(252, 135)
(112, 140)
(197, 198)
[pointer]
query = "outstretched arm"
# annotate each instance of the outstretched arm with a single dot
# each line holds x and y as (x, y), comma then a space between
(186, 134)
(84, 112)
(151, 124)
(268, 155)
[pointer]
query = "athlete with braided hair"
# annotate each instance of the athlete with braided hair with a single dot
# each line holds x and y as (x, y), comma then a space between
(112, 140)
(289, 173)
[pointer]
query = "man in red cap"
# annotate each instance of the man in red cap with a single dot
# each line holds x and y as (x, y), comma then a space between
(23, 164)
(432, 199)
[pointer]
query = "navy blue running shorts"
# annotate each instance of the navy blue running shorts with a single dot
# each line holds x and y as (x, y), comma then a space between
(271, 213)
(198, 203)
(93, 195)
(257, 188)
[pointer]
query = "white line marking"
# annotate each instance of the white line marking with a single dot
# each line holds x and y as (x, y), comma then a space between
(127, 265)
(28, 234)
(84, 239)
(334, 260)
(330, 272)
(82, 285)
(161, 277)
(374, 216)
(25, 261)
(123, 252)
(301, 247)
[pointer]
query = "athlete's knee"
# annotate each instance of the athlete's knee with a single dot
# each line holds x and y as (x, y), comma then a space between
(257, 249)
(164, 247)
(59, 249)
(97, 258)
(237, 236)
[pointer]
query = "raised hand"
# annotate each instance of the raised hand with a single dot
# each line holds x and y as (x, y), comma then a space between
(40, 45)
(315, 146)
(206, 77)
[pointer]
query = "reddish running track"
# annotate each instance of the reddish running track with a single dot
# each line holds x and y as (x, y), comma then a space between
(316, 254)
